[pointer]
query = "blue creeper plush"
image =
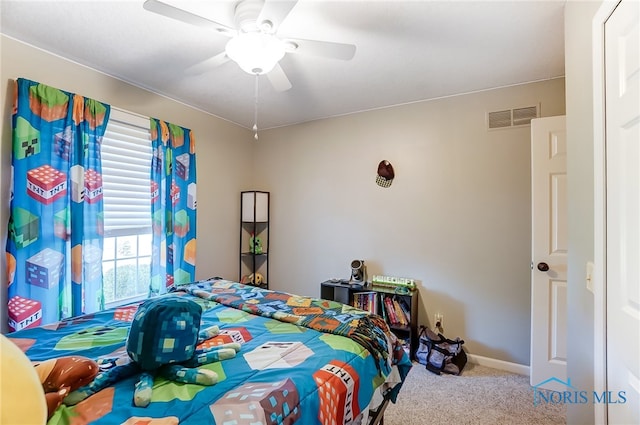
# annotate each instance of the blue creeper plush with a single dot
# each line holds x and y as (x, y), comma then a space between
(162, 341)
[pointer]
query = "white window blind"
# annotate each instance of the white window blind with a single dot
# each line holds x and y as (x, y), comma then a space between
(126, 174)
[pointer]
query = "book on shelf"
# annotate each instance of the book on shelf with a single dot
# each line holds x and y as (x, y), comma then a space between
(395, 310)
(390, 310)
(402, 318)
(367, 301)
(405, 309)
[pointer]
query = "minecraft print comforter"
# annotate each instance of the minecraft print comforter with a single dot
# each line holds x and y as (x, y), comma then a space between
(302, 361)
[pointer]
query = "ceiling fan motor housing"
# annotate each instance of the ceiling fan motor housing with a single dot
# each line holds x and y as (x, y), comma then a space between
(246, 16)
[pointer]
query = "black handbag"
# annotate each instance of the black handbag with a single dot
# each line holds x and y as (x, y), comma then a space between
(440, 354)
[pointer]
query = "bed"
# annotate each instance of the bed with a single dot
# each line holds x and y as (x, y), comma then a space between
(301, 361)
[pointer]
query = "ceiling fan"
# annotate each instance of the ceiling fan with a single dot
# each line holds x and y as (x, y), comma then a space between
(254, 41)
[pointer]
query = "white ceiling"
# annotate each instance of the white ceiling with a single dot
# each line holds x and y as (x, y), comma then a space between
(407, 51)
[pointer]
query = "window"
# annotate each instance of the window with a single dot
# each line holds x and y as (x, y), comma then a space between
(126, 170)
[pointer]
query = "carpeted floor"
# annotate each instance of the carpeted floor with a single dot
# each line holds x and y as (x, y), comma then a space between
(480, 395)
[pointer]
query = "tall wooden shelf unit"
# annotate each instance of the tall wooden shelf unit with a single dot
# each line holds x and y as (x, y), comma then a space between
(344, 293)
(254, 221)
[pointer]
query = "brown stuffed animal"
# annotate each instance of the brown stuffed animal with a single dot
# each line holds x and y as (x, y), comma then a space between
(63, 375)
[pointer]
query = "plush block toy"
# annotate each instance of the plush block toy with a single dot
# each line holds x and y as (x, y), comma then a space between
(255, 244)
(162, 340)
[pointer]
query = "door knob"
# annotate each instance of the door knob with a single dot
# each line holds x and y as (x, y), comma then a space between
(543, 267)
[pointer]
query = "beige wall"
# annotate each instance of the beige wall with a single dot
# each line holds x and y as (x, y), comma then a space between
(457, 216)
(224, 149)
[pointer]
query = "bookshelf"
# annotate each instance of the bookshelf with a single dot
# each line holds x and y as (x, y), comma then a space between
(254, 226)
(399, 310)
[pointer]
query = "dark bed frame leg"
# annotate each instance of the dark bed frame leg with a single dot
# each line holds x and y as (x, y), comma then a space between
(377, 415)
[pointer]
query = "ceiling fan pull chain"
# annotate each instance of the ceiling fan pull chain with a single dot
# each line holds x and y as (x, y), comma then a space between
(255, 111)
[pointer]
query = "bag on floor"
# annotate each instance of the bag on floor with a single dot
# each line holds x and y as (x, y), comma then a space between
(440, 354)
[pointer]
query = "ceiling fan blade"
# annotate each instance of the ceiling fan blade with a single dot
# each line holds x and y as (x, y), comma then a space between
(275, 11)
(208, 64)
(325, 49)
(279, 79)
(187, 17)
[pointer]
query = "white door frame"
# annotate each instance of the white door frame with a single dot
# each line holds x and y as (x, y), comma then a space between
(599, 213)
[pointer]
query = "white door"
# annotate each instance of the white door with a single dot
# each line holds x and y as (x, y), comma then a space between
(549, 253)
(622, 145)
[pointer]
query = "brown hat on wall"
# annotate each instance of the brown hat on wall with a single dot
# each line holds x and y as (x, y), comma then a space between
(385, 174)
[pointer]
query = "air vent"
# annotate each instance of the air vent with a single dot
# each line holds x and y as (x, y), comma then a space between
(500, 119)
(511, 117)
(523, 116)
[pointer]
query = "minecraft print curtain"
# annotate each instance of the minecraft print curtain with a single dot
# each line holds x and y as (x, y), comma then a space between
(173, 206)
(54, 247)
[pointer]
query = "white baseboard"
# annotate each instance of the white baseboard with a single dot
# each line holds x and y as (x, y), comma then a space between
(498, 364)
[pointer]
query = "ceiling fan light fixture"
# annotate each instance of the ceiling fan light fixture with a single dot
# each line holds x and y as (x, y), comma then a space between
(255, 52)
